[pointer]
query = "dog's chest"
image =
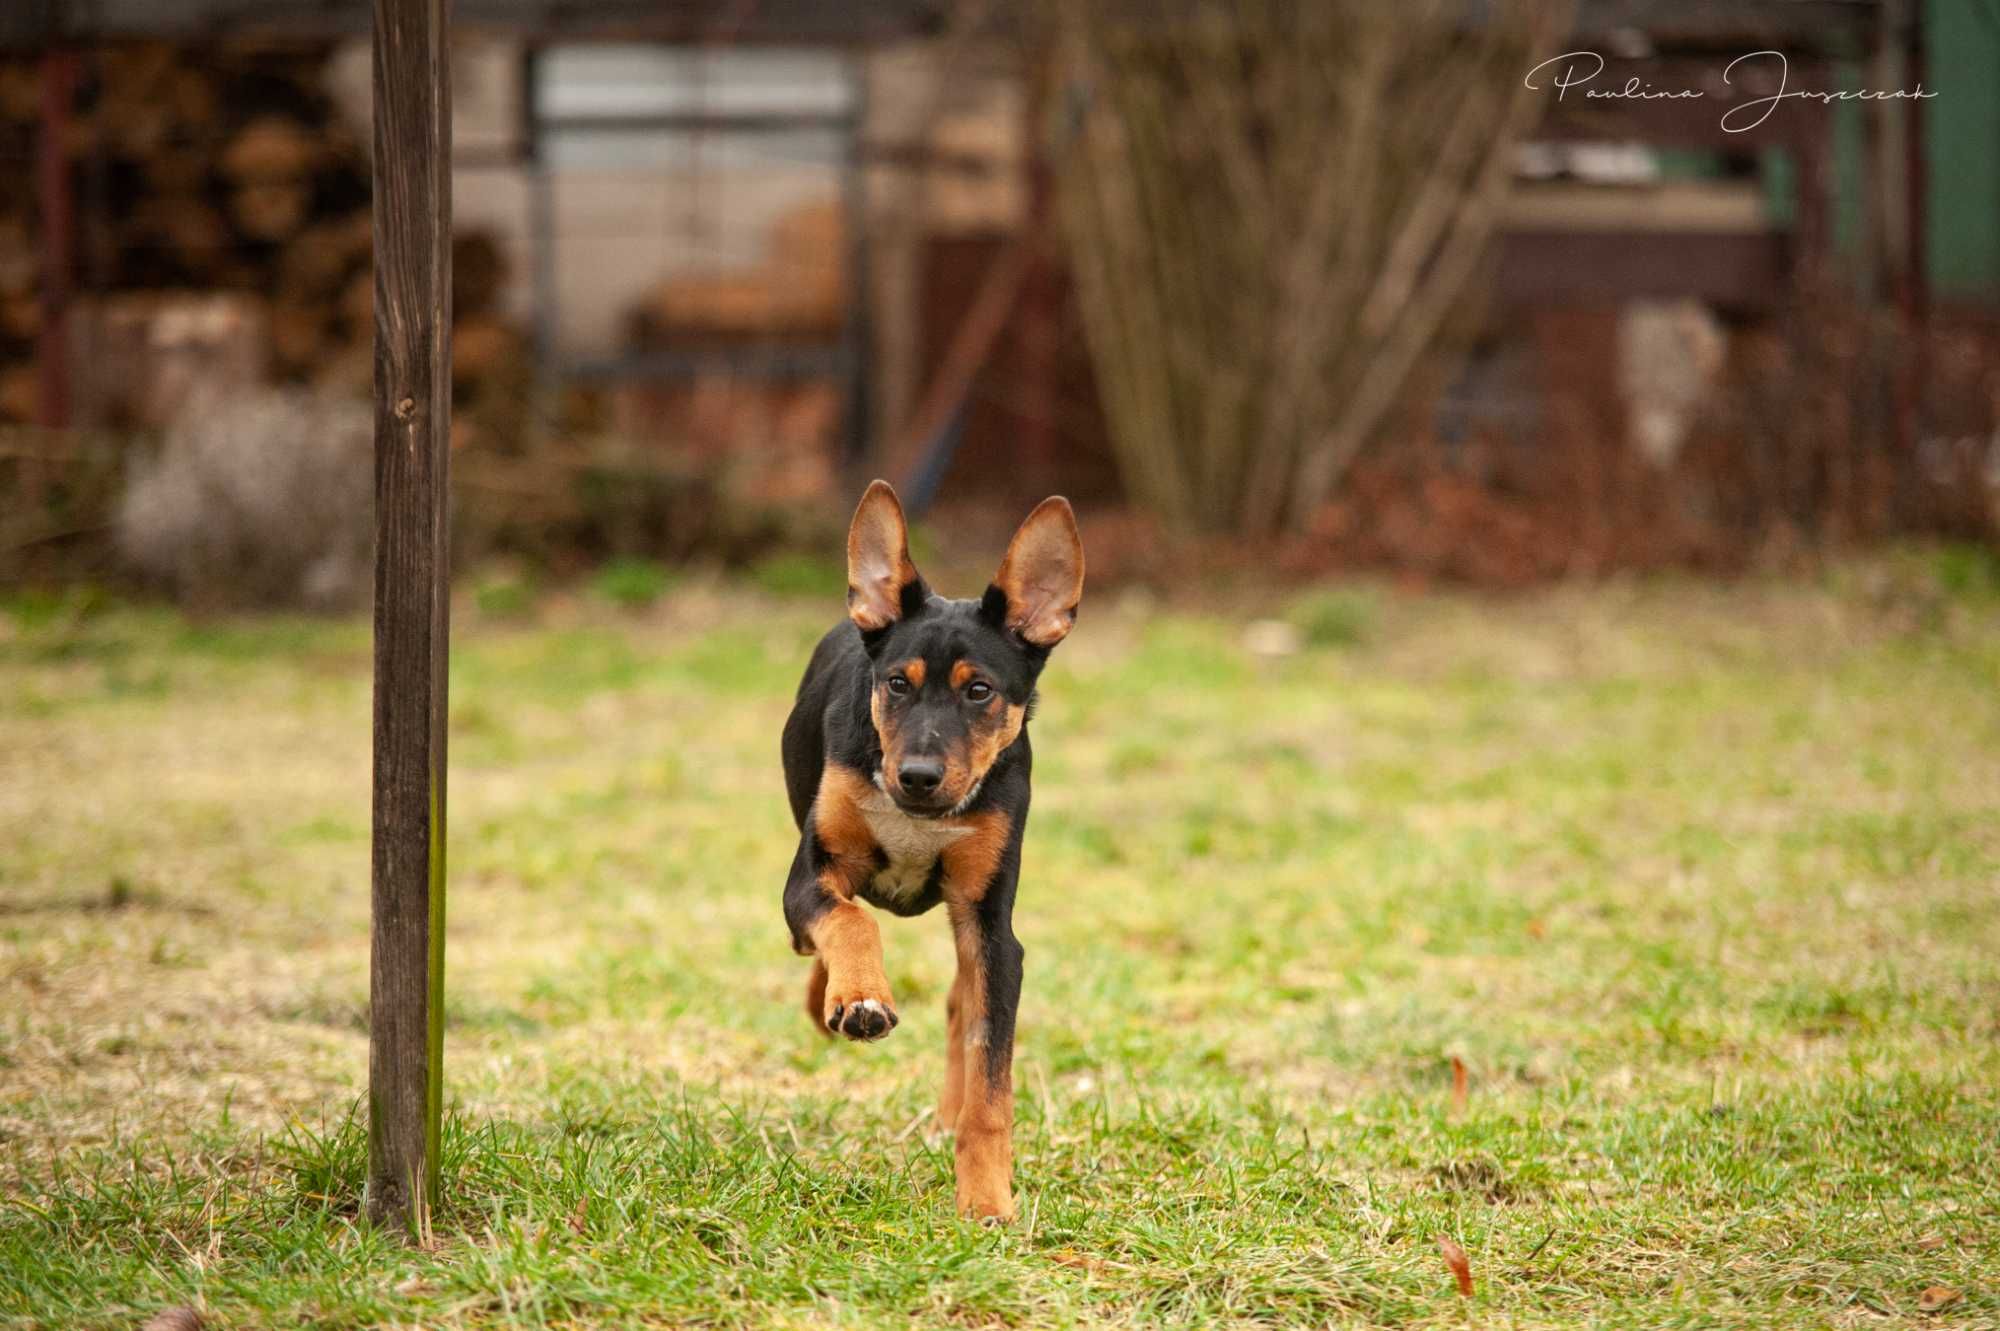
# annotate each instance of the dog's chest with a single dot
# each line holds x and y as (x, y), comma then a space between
(910, 846)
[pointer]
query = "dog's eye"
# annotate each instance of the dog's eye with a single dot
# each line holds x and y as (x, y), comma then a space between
(978, 691)
(898, 685)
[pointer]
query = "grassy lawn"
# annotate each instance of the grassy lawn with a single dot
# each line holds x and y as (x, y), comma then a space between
(1697, 884)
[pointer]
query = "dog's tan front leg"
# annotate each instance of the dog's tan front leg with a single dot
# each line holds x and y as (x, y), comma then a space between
(854, 1000)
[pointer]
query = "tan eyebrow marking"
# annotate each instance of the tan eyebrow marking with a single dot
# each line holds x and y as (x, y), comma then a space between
(913, 670)
(961, 674)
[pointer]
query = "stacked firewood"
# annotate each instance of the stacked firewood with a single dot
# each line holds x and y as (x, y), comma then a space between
(777, 434)
(198, 170)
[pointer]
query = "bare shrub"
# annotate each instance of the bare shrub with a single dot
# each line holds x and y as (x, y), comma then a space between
(1270, 209)
(259, 500)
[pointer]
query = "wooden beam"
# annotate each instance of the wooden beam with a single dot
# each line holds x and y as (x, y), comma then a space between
(58, 223)
(412, 604)
(857, 334)
(1913, 281)
(1745, 271)
(1041, 298)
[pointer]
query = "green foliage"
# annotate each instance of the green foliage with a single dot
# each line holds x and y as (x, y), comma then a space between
(1968, 572)
(34, 610)
(506, 595)
(804, 576)
(632, 584)
(1335, 618)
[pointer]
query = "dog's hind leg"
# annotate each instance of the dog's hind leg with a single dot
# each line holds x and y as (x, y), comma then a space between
(953, 1094)
(816, 997)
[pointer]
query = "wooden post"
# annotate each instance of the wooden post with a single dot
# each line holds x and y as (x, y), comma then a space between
(1041, 310)
(412, 604)
(1913, 281)
(57, 223)
(857, 334)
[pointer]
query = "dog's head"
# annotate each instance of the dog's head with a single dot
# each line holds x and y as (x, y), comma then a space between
(953, 680)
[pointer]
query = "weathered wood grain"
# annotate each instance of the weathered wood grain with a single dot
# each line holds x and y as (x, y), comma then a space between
(412, 205)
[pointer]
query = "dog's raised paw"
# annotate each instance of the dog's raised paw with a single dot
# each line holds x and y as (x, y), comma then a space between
(862, 1019)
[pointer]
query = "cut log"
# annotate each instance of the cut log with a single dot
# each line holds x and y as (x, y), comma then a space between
(357, 302)
(320, 260)
(224, 167)
(18, 269)
(172, 170)
(20, 317)
(270, 212)
(20, 394)
(20, 92)
(299, 336)
(481, 347)
(184, 225)
(271, 150)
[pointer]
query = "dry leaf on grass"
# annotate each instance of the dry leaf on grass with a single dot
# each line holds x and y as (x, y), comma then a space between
(1460, 1264)
(174, 1319)
(1458, 1084)
(1931, 1242)
(1076, 1261)
(1937, 1297)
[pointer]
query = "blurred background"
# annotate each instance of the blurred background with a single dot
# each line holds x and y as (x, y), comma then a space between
(1305, 287)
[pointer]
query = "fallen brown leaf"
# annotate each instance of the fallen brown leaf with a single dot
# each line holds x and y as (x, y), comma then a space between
(579, 1215)
(1455, 1258)
(1931, 1242)
(1937, 1297)
(173, 1319)
(1458, 1084)
(1076, 1261)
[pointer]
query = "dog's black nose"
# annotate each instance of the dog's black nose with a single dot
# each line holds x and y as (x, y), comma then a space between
(920, 776)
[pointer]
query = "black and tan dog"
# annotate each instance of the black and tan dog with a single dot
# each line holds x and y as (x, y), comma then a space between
(906, 759)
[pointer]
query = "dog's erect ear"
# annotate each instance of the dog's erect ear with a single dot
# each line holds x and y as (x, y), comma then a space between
(1041, 580)
(880, 576)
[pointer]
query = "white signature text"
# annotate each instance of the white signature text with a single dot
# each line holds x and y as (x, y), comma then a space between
(1575, 69)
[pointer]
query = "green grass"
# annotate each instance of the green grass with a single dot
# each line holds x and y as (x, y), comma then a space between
(1698, 884)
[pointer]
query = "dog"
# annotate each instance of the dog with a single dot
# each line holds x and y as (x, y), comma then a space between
(906, 761)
